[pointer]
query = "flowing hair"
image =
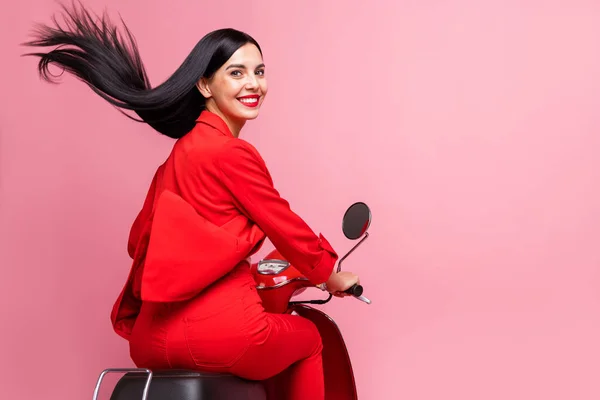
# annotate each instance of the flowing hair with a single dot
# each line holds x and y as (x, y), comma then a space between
(108, 61)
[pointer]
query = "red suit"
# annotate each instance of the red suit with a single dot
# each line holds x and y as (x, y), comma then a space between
(189, 301)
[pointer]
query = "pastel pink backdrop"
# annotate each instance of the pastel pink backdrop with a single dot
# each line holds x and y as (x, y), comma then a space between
(470, 128)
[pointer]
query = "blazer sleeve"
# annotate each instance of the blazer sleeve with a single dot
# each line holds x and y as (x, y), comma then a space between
(245, 175)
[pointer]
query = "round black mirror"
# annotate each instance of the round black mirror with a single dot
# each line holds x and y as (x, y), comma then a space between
(356, 220)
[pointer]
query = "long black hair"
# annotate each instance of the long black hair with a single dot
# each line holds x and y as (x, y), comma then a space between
(109, 62)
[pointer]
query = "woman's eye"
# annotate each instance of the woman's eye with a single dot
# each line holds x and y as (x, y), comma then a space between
(260, 72)
(236, 73)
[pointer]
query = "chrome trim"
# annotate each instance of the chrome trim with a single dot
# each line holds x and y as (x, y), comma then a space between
(286, 265)
(280, 284)
(109, 370)
(363, 298)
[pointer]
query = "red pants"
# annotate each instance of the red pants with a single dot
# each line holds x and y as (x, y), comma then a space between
(227, 330)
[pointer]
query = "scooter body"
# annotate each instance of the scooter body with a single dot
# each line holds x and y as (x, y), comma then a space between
(278, 281)
(276, 292)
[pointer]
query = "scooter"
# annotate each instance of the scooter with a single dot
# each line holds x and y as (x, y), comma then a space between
(277, 282)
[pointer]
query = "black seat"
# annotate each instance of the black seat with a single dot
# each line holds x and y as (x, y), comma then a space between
(187, 385)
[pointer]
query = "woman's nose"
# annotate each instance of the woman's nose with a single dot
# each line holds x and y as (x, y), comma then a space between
(252, 82)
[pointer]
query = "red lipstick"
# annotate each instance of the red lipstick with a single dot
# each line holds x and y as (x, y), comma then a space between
(250, 100)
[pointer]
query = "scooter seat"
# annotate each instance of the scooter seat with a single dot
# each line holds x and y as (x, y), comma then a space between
(187, 385)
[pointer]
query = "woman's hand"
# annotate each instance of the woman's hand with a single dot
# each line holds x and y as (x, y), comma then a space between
(340, 281)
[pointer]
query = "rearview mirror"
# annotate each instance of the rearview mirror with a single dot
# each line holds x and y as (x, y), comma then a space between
(356, 221)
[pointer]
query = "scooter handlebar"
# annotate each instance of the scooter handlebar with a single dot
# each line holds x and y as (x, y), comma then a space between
(355, 290)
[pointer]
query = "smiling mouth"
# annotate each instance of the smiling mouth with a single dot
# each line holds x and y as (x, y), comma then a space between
(249, 101)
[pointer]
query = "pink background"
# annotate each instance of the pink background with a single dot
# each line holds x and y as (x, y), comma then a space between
(471, 128)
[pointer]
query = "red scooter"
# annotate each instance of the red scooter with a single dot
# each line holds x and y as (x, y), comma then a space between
(277, 282)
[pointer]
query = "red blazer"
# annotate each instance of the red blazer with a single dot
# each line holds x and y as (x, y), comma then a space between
(209, 207)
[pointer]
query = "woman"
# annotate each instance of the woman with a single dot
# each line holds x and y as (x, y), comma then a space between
(189, 301)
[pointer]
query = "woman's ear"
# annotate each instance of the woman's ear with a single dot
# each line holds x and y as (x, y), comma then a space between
(202, 86)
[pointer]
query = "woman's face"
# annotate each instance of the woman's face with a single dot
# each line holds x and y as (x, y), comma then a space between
(236, 91)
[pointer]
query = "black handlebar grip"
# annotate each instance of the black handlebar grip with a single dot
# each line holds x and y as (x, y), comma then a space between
(355, 290)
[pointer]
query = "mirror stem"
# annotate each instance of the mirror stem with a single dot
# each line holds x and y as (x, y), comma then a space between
(339, 268)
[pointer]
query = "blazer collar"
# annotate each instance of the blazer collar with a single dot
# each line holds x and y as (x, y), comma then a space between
(211, 119)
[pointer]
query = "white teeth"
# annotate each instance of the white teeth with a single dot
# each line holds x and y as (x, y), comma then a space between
(248, 100)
